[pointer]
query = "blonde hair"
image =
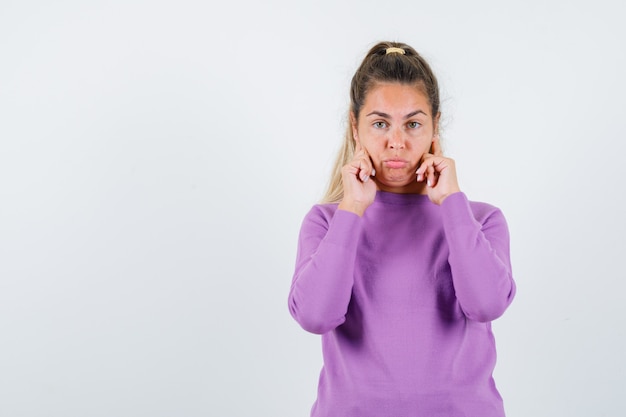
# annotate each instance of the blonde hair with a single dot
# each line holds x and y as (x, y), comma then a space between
(383, 63)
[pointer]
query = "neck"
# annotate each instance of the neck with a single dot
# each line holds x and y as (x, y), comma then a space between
(411, 188)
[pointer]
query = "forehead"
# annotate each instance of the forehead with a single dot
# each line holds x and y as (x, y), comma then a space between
(398, 96)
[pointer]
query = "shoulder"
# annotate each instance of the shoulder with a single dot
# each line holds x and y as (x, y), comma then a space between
(458, 203)
(320, 215)
(322, 211)
(325, 216)
(327, 220)
(483, 211)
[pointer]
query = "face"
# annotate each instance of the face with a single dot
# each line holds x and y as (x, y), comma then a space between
(396, 128)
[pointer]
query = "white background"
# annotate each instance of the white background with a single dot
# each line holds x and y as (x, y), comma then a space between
(157, 158)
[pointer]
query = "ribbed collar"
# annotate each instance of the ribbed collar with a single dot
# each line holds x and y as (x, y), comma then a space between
(385, 197)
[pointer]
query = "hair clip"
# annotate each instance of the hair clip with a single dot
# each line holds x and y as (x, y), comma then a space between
(394, 50)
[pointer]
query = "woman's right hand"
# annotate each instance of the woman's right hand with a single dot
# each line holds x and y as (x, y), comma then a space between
(359, 190)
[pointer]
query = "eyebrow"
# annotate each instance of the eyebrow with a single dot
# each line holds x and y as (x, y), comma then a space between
(385, 115)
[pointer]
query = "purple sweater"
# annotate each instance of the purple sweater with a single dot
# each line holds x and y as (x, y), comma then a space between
(403, 298)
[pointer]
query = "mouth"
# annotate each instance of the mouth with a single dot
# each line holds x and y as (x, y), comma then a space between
(395, 163)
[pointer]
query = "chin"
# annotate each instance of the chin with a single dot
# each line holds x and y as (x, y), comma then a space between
(396, 182)
(400, 179)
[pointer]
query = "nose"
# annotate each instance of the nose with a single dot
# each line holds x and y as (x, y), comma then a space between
(396, 139)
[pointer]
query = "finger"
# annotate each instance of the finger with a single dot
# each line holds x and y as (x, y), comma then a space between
(420, 173)
(366, 165)
(421, 170)
(360, 152)
(432, 178)
(363, 152)
(361, 166)
(370, 162)
(358, 147)
(437, 151)
(365, 168)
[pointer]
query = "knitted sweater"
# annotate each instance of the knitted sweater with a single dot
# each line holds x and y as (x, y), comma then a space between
(403, 298)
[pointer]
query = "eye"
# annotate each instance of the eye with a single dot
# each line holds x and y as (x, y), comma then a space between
(380, 125)
(413, 125)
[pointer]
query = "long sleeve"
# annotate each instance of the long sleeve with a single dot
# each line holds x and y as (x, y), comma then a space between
(479, 258)
(324, 274)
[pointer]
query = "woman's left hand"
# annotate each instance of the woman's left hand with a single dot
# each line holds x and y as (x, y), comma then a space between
(439, 173)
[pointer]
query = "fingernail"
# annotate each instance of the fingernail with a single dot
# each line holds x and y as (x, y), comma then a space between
(428, 183)
(373, 172)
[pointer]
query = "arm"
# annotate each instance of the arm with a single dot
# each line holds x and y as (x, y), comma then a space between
(324, 274)
(479, 259)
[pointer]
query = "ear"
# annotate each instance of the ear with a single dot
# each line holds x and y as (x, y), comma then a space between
(353, 126)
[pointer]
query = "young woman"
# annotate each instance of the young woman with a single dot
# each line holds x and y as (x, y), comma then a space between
(397, 270)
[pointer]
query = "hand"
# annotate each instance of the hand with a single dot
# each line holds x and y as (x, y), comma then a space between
(359, 190)
(439, 173)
